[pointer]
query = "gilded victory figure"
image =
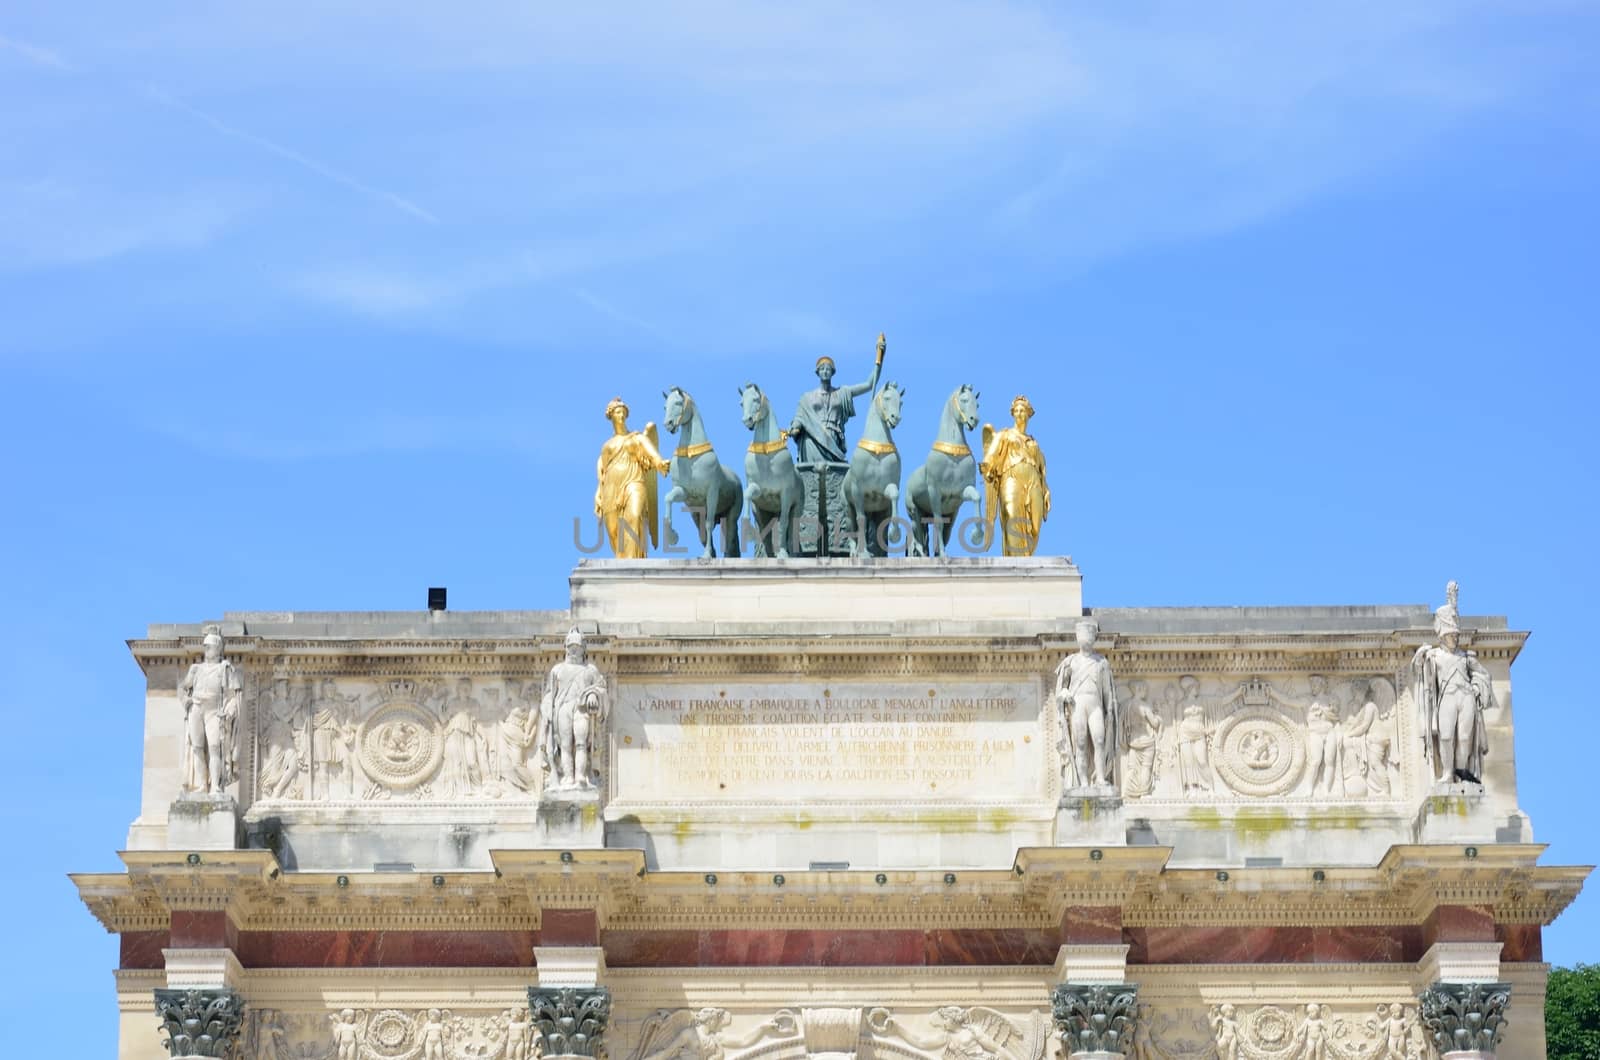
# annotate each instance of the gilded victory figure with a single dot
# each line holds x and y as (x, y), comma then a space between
(1013, 468)
(1453, 691)
(626, 495)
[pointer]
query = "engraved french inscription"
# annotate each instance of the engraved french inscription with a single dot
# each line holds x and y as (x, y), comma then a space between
(954, 740)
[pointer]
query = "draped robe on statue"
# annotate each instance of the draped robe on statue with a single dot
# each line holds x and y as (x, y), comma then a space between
(818, 428)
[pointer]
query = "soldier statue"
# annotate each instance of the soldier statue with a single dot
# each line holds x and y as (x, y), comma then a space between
(571, 713)
(1452, 692)
(210, 693)
(1089, 714)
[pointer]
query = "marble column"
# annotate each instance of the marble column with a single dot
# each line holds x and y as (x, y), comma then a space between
(570, 1021)
(1096, 1021)
(1464, 1020)
(201, 1022)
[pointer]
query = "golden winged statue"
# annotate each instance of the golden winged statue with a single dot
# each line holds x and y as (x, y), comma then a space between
(1013, 471)
(625, 497)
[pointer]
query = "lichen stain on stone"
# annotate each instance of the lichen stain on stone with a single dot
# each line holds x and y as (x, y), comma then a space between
(1256, 823)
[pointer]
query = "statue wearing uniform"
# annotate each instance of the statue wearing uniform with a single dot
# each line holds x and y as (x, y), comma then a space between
(210, 693)
(626, 494)
(1453, 690)
(1088, 698)
(571, 713)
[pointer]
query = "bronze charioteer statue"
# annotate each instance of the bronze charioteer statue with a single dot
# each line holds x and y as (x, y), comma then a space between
(822, 456)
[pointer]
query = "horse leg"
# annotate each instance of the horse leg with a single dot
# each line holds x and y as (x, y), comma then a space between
(783, 533)
(945, 524)
(969, 493)
(917, 538)
(713, 515)
(856, 501)
(891, 497)
(702, 526)
(675, 495)
(753, 513)
(731, 548)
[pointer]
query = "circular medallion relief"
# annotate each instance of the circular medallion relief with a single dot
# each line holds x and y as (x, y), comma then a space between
(1271, 1029)
(1259, 752)
(399, 745)
(388, 1034)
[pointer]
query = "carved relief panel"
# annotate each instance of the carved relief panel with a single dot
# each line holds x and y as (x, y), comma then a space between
(951, 1032)
(1311, 738)
(389, 1034)
(1316, 1031)
(336, 740)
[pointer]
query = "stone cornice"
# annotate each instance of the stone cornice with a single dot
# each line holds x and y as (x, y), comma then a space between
(1040, 889)
(1132, 654)
(1404, 888)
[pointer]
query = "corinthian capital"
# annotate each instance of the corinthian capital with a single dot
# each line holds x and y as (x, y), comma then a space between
(1465, 1019)
(200, 1022)
(1095, 1019)
(570, 1021)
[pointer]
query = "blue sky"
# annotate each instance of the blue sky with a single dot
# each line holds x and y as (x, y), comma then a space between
(307, 309)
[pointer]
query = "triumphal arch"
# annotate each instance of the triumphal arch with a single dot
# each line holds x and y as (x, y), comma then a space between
(831, 803)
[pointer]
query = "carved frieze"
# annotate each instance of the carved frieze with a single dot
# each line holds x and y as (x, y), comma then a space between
(1315, 1031)
(433, 1033)
(950, 1032)
(1306, 738)
(337, 740)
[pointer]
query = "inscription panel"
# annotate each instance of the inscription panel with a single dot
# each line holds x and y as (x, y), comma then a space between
(965, 741)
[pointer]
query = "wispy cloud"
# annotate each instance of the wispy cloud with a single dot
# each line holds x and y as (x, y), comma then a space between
(718, 161)
(394, 287)
(375, 291)
(37, 55)
(321, 169)
(45, 57)
(611, 311)
(49, 224)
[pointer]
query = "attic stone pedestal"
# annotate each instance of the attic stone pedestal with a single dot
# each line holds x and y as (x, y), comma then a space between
(203, 822)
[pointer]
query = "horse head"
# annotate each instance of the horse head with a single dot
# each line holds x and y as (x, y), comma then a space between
(752, 405)
(679, 410)
(965, 403)
(888, 404)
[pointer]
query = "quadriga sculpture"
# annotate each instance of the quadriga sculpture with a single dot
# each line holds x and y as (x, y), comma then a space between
(949, 479)
(773, 491)
(699, 481)
(872, 485)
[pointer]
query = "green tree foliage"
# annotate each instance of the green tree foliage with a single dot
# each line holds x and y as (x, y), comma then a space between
(1572, 1013)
